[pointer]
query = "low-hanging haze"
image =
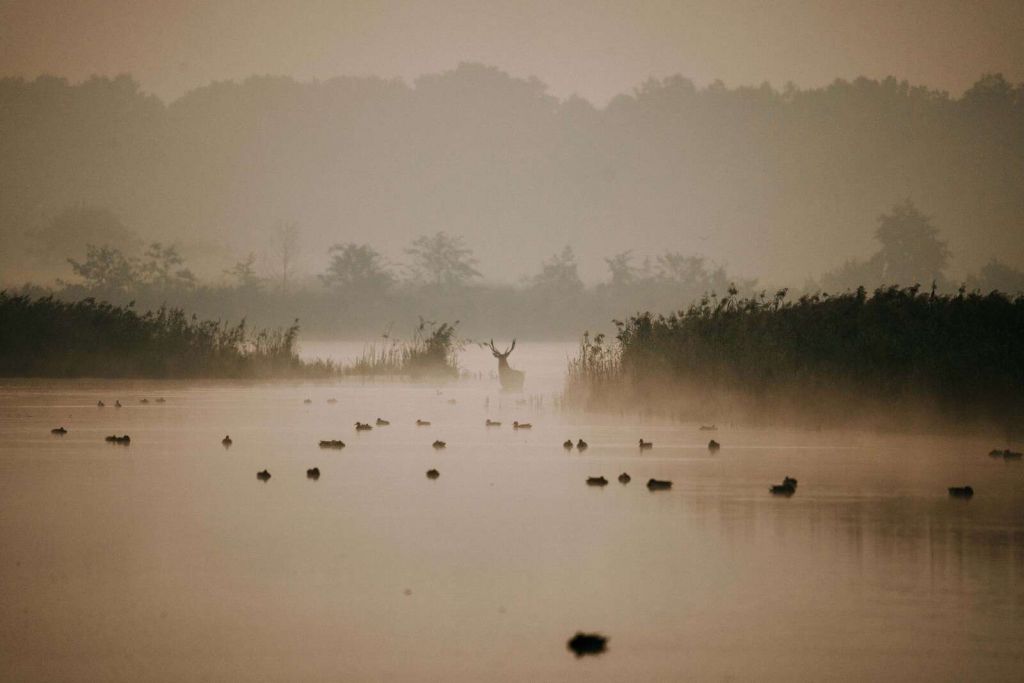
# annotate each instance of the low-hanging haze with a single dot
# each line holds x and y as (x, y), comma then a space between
(775, 186)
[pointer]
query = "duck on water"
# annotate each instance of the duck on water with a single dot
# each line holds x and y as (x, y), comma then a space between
(786, 488)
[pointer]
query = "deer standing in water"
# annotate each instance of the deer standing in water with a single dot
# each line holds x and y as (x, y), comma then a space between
(511, 380)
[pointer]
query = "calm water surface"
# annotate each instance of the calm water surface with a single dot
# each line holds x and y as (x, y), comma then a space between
(167, 560)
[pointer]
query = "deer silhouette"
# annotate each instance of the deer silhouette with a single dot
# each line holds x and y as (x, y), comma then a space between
(511, 380)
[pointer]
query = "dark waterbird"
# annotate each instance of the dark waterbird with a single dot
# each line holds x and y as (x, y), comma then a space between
(117, 404)
(422, 423)
(144, 401)
(646, 445)
(567, 444)
(382, 423)
(263, 475)
(1006, 454)
(587, 644)
(313, 473)
(433, 474)
(59, 431)
(363, 427)
(582, 445)
(786, 488)
(659, 484)
(961, 491)
(597, 481)
(161, 400)
(100, 404)
(708, 428)
(123, 440)
(226, 441)
(492, 423)
(332, 443)
(522, 425)
(625, 478)
(713, 445)
(439, 444)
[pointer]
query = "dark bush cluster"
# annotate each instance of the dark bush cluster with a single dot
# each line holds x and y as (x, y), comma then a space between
(962, 352)
(46, 337)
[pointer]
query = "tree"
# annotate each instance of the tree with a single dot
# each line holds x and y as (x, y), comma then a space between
(105, 269)
(624, 273)
(442, 259)
(358, 268)
(911, 250)
(691, 274)
(164, 268)
(559, 274)
(244, 273)
(284, 243)
(911, 253)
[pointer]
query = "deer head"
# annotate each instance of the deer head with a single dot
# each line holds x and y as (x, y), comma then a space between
(498, 354)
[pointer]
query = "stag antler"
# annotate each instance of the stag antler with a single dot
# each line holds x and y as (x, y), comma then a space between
(498, 353)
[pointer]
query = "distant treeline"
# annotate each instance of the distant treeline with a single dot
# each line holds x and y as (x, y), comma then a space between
(361, 294)
(50, 338)
(772, 180)
(898, 349)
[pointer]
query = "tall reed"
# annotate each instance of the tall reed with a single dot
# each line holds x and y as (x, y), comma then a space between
(963, 353)
(46, 337)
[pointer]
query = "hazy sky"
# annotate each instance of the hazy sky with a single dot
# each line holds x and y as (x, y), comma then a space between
(596, 49)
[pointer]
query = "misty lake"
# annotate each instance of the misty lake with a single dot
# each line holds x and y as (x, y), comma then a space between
(168, 560)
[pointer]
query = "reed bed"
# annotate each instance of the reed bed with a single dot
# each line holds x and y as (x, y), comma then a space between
(431, 353)
(961, 354)
(46, 337)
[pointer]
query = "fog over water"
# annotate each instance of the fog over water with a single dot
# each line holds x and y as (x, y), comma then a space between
(168, 559)
(468, 341)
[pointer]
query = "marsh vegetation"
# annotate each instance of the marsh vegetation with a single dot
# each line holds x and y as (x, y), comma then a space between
(47, 337)
(828, 355)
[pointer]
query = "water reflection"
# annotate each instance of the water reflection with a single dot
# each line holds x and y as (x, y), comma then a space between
(170, 560)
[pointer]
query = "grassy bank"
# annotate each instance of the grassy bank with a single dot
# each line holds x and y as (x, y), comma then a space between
(432, 353)
(44, 337)
(896, 351)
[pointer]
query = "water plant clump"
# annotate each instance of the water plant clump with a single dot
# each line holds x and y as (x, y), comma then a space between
(46, 337)
(431, 353)
(899, 346)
